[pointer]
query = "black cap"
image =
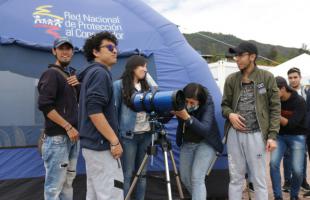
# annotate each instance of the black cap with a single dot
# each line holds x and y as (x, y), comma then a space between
(62, 40)
(281, 82)
(244, 47)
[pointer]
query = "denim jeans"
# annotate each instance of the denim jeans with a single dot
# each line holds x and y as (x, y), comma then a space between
(60, 158)
(287, 165)
(133, 153)
(195, 161)
(296, 145)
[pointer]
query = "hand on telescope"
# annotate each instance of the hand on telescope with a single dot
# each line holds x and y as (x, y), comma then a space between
(183, 114)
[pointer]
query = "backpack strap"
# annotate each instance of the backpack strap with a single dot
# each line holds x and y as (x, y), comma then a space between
(61, 72)
(65, 76)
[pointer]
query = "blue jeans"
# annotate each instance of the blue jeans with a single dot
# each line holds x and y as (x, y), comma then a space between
(195, 161)
(296, 145)
(60, 158)
(287, 165)
(134, 152)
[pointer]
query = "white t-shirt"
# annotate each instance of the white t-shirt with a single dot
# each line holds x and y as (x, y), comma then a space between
(142, 123)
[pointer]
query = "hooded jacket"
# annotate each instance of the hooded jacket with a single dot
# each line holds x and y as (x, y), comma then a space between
(96, 96)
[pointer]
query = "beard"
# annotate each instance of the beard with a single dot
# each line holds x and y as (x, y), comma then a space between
(63, 63)
(245, 68)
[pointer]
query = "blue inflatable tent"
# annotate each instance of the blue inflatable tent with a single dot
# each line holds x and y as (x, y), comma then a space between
(27, 31)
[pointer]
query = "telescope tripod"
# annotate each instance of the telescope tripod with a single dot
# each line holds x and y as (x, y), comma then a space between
(151, 151)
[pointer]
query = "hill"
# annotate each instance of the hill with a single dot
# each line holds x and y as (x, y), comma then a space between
(204, 45)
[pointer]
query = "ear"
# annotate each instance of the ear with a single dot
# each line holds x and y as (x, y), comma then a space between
(252, 57)
(95, 52)
(54, 51)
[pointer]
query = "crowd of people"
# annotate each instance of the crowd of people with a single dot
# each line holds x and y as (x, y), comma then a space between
(89, 111)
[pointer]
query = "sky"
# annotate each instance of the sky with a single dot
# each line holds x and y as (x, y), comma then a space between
(277, 22)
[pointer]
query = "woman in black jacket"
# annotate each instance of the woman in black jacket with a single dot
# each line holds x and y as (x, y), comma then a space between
(199, 139)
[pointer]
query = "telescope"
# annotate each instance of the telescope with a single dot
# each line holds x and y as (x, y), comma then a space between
(158, 101)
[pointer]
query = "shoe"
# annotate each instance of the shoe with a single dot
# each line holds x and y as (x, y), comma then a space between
(305, 186)
(287, 186)
(307, 195)
(294, 198)
(278, 198)
(251, 187)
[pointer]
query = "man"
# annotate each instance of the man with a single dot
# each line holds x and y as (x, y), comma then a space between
(58, 102)
(291, 136)
(251, 106)
(98, 125)
(294, 78)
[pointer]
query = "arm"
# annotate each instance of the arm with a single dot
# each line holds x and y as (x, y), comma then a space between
(201, 126)
(274, 108)
(227, 98)
(58, 119)
(204, 125)
(103, 126)
(47, 88)
(236, 120)
(299, 114)
(97, 97)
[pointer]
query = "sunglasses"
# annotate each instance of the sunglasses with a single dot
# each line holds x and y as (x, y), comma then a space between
(110, 47)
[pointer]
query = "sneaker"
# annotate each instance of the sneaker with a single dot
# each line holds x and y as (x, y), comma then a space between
(305, 186)
(251, 187)
(287, 186)
(294, 198)
(307, 195)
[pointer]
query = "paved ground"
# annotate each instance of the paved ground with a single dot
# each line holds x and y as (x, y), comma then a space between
(270, 193)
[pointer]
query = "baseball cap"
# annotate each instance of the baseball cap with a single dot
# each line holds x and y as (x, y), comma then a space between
(62, 40)
(281, 82)
(244, 47)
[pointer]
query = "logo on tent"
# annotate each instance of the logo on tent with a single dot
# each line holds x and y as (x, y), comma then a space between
(44, 18)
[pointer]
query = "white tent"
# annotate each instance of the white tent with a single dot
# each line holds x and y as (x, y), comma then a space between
(222, 68)
(302, 62)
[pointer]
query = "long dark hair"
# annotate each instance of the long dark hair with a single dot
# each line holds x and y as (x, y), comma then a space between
(128, 78)
(196, 91)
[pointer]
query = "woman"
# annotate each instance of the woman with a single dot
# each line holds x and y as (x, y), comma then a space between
(134, 127)
(199, 139)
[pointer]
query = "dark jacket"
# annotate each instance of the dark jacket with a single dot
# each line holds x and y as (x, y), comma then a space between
(96, 96)
(294, 109)
(56, 93)
(267, 101)
(204, 124)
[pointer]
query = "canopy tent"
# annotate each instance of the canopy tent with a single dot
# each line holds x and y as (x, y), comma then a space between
(302, 62)
(27, 32)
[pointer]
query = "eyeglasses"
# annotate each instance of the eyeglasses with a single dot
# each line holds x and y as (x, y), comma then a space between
(110, 47)
(240, 55)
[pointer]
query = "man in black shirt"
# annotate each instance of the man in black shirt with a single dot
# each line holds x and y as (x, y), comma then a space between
(291, 136)
(58, 102)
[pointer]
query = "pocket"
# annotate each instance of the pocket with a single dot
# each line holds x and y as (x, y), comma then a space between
(58, 140)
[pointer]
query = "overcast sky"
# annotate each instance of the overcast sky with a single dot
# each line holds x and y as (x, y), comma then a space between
(278, 22)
